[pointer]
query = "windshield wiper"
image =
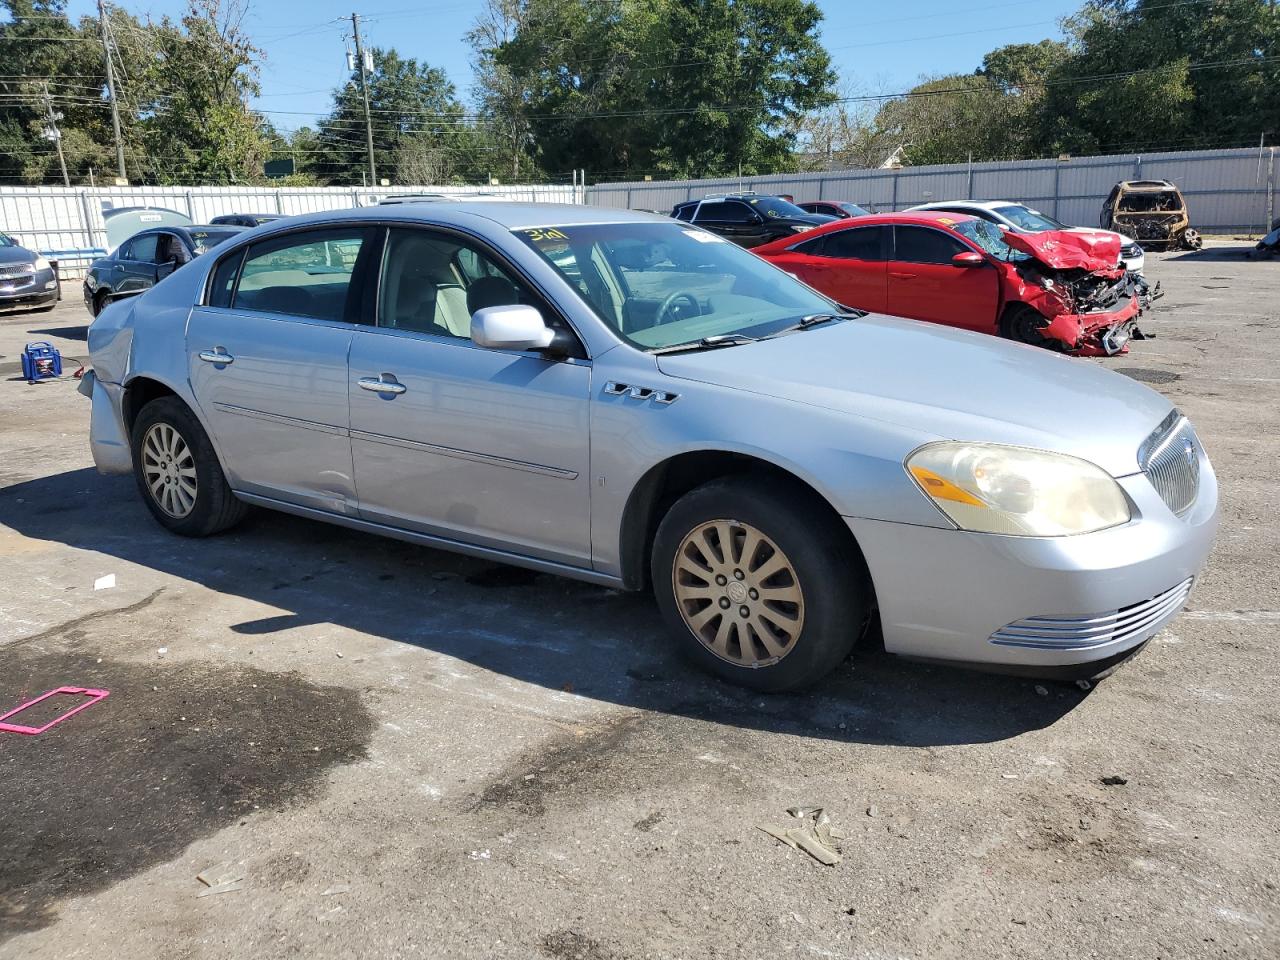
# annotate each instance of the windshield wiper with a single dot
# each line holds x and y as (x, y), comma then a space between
(814, 319)
(708, 343)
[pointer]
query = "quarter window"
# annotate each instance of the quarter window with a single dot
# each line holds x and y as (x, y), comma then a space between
(301, 274)
(925, 245)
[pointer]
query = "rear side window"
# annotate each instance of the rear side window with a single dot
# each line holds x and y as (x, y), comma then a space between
(725, 212)
(861, 243)
(925, 245)
(223, 282)
(685, 212)
(301, 274)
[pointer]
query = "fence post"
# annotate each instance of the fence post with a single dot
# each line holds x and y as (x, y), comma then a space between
(1137, 167)
(279, 203)
(87, 218)
(1271, 189)
(191, 207)
(968, 189)
(1057, 170)
(355, 197)
(893, 204)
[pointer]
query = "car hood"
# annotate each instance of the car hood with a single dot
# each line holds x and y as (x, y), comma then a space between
(16, 255)
(1124, 239)
(943, 383)
(1069, 249)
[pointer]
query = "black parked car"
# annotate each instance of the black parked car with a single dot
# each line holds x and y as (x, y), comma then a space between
(147, 258)
(748, 219)
(840, 209)
(27, 280)
(245, 219)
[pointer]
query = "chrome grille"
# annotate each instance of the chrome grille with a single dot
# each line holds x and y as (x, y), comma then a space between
(12, 271)
(1131, 623)
(1170, 458)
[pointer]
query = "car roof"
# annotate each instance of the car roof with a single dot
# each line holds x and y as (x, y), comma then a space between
(1147, 185)
(974, 204)
(924, 218)
(509, 214)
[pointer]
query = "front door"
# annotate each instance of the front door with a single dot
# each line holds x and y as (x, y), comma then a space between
(138, 263)
(268, 365)
(482, 446)
(925, 285)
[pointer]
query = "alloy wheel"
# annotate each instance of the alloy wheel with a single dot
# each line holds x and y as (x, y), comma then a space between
(738, 593)
(170, 470)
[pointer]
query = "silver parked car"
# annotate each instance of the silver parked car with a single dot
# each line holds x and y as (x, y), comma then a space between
(633, 401)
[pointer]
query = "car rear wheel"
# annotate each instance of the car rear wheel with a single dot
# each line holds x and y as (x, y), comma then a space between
(178, 473)
(755, 585)
(99, 302)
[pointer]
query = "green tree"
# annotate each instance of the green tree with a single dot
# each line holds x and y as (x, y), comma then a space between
(673, 87)
(415, 114)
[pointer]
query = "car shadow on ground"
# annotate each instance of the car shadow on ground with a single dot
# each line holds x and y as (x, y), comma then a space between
(78, 332)
(556, 633)
(1235, 253)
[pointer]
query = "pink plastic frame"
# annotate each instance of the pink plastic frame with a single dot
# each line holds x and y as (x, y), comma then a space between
(93, 695)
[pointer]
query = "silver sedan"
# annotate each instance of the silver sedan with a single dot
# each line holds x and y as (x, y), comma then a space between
(632, 401)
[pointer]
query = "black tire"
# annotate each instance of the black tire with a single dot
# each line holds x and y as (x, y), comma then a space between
(1023, 323)
(215, 507)
(99, 302)
(838, 599)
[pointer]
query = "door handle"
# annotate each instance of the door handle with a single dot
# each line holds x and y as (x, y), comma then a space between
(378, 385)
(902, 276)
(217, 355)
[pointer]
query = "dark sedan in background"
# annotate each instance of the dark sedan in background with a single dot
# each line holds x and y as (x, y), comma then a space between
(840, 209)
(147, 258)
(748, 219)
(245, 219)
(27, 280)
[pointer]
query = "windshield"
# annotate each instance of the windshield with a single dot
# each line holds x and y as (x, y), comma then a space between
(205, 240)
(775, 207)
(662, 284)
(1027, 219)
(852, 209)
(990, 238)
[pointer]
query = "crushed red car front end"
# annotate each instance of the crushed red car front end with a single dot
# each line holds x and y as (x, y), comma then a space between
(1089, 302)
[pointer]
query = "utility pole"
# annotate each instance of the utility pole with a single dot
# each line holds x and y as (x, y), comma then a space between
(111, 87)
(364, 93)
(54, 134)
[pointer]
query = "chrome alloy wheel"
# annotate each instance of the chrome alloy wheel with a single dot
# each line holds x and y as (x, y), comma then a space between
(738, 593)
(170, 470)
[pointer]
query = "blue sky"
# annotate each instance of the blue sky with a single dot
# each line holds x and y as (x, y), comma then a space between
(881, 48)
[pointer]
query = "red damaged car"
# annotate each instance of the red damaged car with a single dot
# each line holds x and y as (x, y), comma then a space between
(1053, 289)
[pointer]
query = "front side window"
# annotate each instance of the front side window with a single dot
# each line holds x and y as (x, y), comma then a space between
(663, 284)
(143, 249)
(301, 274)
(924, 245)
(433, 282)
(991, 239)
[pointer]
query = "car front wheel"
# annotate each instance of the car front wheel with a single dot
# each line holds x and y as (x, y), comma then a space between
(178, 473)
(757, 586)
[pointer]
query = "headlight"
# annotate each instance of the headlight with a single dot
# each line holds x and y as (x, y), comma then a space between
(992, 488)
(42, 264)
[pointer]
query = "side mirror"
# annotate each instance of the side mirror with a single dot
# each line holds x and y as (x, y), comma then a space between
(968, 258)
(512, 327)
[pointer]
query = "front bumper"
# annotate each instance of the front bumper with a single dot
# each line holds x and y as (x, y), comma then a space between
(1100, 334)
(961, 597)
(27, 293)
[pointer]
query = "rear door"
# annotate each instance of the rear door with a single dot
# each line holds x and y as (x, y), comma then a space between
(847, 265)
(267, 355)
(482, 446)
(732, 219)
(924, 284)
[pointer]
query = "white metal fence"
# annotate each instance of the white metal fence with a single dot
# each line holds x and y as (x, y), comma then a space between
(1226, 190)
(66, 222)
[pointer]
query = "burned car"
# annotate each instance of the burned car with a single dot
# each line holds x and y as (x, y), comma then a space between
(1153, 211)
(1063, 290)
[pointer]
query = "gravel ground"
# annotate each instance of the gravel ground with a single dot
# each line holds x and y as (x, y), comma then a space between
(404, 753)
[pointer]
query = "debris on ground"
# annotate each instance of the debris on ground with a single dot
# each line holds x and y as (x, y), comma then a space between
(336, 889)
(224, 878)
(1113, 781)
(105, 583)
(812, 833)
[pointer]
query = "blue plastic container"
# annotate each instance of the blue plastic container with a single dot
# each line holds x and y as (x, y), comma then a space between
(40, 361)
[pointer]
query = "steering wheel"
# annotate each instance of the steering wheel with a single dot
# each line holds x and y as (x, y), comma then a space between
(669, 303)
